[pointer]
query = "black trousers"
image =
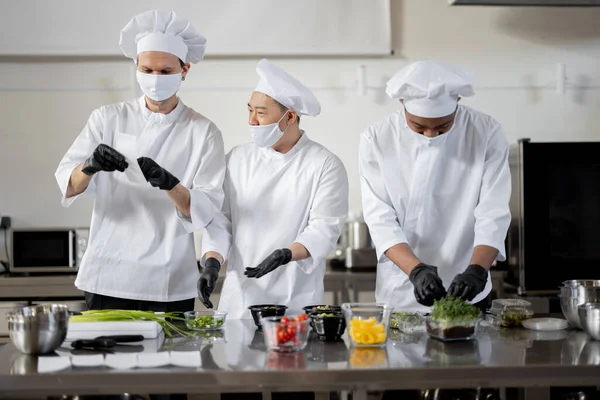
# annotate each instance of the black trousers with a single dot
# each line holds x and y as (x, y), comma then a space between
(101, 302)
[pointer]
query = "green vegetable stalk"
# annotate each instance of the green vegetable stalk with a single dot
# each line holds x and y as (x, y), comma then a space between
(164, 319)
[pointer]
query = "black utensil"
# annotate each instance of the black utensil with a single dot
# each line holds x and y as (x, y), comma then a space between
(123, 338)
(93, 344)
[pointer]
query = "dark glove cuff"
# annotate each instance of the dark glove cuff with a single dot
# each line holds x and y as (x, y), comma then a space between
(212, 263)
(171, 184)
(88, 169)
(477, 270)
(420, 267)
(288, 256)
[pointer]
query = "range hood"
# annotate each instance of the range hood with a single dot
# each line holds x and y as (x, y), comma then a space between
(542, 3)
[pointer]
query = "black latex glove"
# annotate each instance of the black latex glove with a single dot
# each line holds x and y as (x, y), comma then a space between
(104, 158)
(470, 283)
(156, 175)
(208, 280)
(275, 260)
(427, 283)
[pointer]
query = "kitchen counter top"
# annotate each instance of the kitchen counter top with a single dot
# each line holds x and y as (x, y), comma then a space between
(236, 361)
(26, 287)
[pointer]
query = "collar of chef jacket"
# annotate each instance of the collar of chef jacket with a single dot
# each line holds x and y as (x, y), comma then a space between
(273, 155)
(158, 117)
(423, 140)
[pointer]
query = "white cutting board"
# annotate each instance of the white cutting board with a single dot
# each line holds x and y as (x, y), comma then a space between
(91, 330)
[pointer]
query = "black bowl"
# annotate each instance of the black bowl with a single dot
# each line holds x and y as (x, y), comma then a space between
(266, 310)
(328, 329)
(315, 308)
(317, 313)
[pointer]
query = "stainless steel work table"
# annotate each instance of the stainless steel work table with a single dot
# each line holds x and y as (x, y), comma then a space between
(238, 362)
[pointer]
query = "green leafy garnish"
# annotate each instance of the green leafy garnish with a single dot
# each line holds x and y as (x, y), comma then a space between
(205, 322)
(326, 315)
(513, 318)
(402, 319)
(403, 316)
(453, 308)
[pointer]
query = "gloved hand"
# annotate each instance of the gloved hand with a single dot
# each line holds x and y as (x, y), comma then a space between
(275, 260)
(104, 158)
(156, 175)
(208, 280)
(470, 283)
(427, 283)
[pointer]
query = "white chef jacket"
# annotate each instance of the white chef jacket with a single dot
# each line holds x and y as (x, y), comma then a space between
(271, 201)
(140, 247)
(443, 196)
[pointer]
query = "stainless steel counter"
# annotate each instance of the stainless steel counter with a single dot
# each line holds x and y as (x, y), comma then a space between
(236, 361)
(28, 287)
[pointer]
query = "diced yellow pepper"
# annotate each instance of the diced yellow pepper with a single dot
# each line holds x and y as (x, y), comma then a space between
(367, 331)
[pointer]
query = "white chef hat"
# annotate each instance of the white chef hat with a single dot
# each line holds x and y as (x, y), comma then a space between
(431, 89)
(287, 90)
(164, 31)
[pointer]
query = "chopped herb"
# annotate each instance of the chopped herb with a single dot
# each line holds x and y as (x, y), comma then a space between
(205, 322)
(452, 308)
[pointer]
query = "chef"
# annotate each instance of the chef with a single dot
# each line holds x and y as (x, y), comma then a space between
(155, 168)
(286, 198)
(435, 186)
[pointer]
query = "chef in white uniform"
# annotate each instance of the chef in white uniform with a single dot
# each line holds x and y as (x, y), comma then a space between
(286, 198)
(435, 188)
(155, 168)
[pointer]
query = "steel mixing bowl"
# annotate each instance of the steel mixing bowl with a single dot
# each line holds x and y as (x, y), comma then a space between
(580, 291)
(574, 295)
(569, 308)
(38, 329)
(582, 282)
(589, 316)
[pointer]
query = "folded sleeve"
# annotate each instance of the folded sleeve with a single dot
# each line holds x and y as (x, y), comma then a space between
(206, 191)
(81, 149)
(326, 216)
(378, 210)
(492, 214)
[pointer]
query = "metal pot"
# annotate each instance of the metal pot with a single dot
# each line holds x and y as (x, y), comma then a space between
(358, 236)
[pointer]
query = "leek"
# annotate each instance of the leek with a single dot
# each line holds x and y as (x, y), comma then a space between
(163, 319)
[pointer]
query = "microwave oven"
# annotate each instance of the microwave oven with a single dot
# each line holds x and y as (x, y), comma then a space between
(47, 250)
(555, 207)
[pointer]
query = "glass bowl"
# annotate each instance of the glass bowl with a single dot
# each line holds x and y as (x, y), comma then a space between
(407, 322)
(368, 323)
(498, 305)
(452, 329)
(204, 320)
(285, 334)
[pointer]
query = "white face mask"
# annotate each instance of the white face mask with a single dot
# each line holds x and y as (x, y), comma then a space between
(158, 87)
(267, 135)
